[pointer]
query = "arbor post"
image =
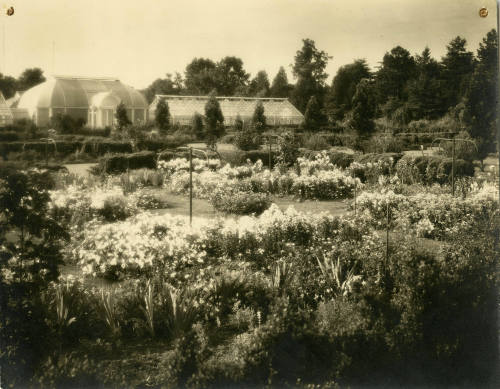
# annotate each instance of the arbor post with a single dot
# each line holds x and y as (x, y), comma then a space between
(453, 167)
(190, 185)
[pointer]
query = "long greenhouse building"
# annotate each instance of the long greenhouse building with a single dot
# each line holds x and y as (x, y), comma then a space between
(278, 111)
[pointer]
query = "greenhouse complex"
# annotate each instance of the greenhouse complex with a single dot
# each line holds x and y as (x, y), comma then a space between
(94, 101)
(278, 111)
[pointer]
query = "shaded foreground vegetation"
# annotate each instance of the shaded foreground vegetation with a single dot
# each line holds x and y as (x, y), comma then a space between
(283, 299)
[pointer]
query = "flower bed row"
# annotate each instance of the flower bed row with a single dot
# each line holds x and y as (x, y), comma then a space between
(147, 244)
(428, 214)
(317, 179)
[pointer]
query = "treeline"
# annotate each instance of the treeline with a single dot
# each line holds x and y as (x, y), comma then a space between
(405, 88)
(29, 78)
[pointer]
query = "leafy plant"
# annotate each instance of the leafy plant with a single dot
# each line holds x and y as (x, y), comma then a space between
(110, 314)
(180, 312)
(148, 308)
(342, 279)
(281, 275)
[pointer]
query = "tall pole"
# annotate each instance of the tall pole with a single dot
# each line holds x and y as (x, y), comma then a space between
(3, 47)
(190, 185)
(387, 238)
(53, 55)
(355, 185)
(269, 153)
(453, 167)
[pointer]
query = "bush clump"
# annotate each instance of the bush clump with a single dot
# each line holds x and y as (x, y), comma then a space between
(431, 169)
(240, 202)
(119, 163)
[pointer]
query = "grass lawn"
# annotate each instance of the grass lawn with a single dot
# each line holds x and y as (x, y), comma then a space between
(179, 205)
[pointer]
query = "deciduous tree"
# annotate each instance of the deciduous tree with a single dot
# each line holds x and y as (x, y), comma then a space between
(339, 97)
(30, 78)
(259, 86)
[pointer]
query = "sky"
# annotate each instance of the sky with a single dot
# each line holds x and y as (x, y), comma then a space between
(139, 41)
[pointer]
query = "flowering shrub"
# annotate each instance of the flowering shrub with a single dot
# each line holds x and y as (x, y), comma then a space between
(317, 179)
(428, 214)
(149, 243)
(144, 200)
(370, 171)
(75, 206)
(240, 202)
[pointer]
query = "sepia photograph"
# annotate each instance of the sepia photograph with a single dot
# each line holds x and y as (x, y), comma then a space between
(249, 194)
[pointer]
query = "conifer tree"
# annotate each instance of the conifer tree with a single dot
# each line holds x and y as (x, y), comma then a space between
(259, 118)
(162, 115)
(214, 121)
(122, 117)
(313, 118)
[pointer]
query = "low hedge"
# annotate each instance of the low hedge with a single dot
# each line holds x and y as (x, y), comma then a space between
(119, 163)
(8, 136)
(376, 157)
(96, 147)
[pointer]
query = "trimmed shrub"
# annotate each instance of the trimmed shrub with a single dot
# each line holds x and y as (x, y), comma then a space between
(342, 160)
(8, 136)
(121, 162)
(90, 146)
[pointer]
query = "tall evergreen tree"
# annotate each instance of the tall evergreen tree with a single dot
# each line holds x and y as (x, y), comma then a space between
(398, 66)
(482, 95)
(280, 86)
(339, 97)
(458, 65)
(259, 118)
(238, 123)
(162, 115)
(197, 125)
(309, 70)
(313, 118)
(214, 121)
(363, 110)
(122, 119)
(425, 97)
